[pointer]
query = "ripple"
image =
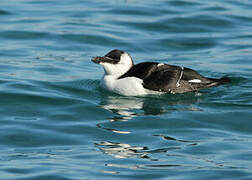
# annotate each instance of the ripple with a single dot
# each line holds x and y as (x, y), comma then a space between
(181, 3)
(4, 12)
(188, 43)
(18, 35)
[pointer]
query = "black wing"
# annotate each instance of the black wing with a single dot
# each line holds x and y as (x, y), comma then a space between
(169, 78)
(164, 77)
(189, 74)
(141, 70)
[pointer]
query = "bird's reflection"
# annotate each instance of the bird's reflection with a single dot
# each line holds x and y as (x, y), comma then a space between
(125, 108)
(122, 150)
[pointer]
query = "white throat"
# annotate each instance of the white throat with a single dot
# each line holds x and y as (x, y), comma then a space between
(117, 70)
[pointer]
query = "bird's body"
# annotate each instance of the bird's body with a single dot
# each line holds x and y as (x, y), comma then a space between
(123, 77)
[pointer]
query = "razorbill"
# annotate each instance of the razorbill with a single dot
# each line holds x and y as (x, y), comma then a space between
(123, 77)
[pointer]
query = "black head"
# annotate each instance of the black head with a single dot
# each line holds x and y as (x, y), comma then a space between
(113, 57)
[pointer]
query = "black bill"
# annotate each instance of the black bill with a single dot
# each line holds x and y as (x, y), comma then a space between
(104, 59)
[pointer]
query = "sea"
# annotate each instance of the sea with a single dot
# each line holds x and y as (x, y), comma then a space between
(57, 123)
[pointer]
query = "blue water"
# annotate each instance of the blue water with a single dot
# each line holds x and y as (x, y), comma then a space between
(57, 123)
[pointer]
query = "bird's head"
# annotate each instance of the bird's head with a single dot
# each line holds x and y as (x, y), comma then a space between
(115, 63)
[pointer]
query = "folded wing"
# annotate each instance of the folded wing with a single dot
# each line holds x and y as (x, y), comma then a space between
(169, 78)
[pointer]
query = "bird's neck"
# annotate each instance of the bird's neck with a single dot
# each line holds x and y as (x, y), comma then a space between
(115, 71)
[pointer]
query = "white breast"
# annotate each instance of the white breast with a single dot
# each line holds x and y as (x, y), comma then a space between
(129, 86)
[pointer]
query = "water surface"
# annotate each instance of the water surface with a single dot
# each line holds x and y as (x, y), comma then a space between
(57, 123)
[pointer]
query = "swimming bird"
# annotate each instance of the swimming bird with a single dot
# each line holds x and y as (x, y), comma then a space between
(123, 77)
